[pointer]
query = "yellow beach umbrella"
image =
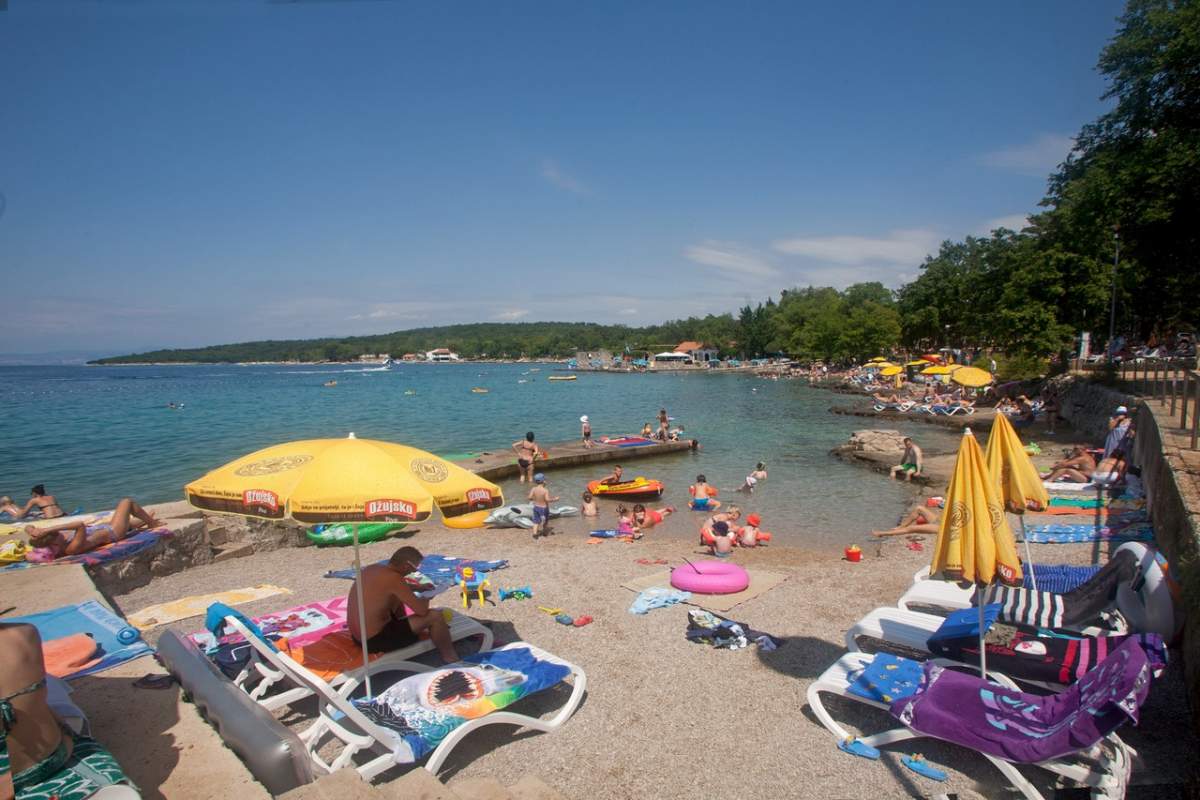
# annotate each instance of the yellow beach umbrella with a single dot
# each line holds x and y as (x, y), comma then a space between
(974, 542)
(973, 377)
(1020, 484)
(917, 363)
(876, 358)
(343, 480)
(891, 370)
(936, 370)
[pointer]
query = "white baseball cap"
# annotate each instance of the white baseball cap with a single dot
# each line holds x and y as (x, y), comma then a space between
(583, 418)
(1122, 410)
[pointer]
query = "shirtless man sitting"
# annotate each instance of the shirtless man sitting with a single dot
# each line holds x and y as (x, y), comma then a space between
(1079, 460)
(73, 538)
(386, 593)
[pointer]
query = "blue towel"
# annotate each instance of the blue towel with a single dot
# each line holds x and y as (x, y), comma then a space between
(214, 621)
(886, 679)
(442, 571)
(1057, 578)
(116, 641)
(1070, 534)
(965, 622)
(657, 597)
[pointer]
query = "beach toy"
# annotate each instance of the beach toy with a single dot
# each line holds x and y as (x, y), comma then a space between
(343, 534)
(581, 621)
(564, 619)
(468, 521)
(637, 489)
(710, 577)
(853, 553)
(550, 611)
(919, 765)
(13, 552)
(470, 580)
(517, 593)
(128, 635)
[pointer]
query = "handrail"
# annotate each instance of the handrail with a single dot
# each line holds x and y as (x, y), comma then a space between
(1171, 382)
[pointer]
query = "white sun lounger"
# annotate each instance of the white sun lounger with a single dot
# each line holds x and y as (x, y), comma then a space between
(340, 721)
(910, 629)
(935, 594)
(265, 668)
(1105, 768)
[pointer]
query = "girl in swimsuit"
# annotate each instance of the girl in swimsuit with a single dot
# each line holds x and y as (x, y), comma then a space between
(72, 538)
(46, 503)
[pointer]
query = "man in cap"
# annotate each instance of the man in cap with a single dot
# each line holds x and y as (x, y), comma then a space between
(1118, 426)
(386, 596)
(585, 430)
(539, 495)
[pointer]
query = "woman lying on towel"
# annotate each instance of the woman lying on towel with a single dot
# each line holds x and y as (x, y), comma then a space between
(73, 538)
(922, 518)
(38, 755)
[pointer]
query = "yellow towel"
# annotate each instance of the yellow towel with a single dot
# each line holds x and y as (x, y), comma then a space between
(194, 606)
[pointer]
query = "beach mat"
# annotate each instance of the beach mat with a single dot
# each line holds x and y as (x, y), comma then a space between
(126, 548)
(299, 626)
(761, 582)
(116, 641)
(439, 570)
(1075, 534)
(196, 605)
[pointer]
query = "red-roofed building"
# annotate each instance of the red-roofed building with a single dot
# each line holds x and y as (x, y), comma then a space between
(699, 352)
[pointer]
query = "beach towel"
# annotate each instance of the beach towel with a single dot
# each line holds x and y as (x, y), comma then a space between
(1114, 514)
(1083, 608)
(196, 605)
(69, 654)
(422, 710)
(437, 572)
(886, 679)
(657, 597)
(126, 548)
(1067, 486)
(1021, 653)
(1078, 534)
(1124, 504)
(1057, 578)
(1027, 728)
(299, 626)
(116, 642)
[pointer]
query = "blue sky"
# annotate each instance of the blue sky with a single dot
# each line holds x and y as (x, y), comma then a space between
(179, 174)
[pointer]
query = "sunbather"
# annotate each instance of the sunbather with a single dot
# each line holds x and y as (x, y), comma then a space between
(920, 519)
(29, 733)
(386, 594)
(1079, 460)
(73, 538)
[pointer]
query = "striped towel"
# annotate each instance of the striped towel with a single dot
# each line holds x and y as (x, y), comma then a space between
(1027, 607)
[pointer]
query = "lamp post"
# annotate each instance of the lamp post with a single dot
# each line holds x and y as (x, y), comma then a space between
(1112, 314)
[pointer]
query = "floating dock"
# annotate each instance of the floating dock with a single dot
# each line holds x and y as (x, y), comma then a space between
(503, 463)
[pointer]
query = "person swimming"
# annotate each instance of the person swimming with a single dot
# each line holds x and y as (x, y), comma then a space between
(701, 493)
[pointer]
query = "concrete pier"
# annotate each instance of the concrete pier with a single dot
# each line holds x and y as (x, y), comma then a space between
(498, 464)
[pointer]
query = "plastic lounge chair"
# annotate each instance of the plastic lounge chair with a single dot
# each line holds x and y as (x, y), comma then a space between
(266, 667)
(986, 717)
(410, 737)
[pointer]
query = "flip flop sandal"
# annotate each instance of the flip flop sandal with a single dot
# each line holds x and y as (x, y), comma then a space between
(581, 621)
(922, 767)
(856, 748)
(154, 681)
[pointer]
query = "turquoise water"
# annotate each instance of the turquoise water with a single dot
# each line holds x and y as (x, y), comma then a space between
(94, 434)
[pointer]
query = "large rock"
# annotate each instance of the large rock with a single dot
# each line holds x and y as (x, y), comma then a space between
(875, 441)
(187, 546)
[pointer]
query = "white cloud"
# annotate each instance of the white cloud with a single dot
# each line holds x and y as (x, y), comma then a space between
(1037, 157)
(384, 311)
(730, 257)
(511, 314)
(905, 247)
(557, 176)
(626, 312)
(1014, 222)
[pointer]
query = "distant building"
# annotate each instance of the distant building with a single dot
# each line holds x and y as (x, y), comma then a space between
(412, 357)
(700, 353)
(375, 358)
(441, 354)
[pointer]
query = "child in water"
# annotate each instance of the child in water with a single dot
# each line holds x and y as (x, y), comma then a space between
(748, 536)
(589, 508)
(625, 525)
(701, 492)
(723, 539)
(644, 518)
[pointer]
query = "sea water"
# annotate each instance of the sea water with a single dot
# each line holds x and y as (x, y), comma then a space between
(95, 434)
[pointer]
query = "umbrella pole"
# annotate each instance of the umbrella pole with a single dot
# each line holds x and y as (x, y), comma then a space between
(362, 612)
(1028, 557)
(982, 633)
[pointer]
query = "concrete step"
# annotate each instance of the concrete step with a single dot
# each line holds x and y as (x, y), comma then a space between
(531, 787)
(232, 550)
(344, 784)
(481, 789)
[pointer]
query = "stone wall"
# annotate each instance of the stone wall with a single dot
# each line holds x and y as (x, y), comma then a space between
(1088, 406)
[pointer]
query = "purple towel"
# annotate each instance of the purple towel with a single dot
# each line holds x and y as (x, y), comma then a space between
(1027, 728)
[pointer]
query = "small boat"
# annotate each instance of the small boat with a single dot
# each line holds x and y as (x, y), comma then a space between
(562, 378)
(410, 391)
(478, 390)
(330, 383)
(535, 369)
(522, 380)
(637, 489)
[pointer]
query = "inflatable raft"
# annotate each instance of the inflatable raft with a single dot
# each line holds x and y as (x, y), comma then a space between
(637, 489)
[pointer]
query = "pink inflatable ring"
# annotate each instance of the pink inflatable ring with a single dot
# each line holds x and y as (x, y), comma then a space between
(710, 577)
